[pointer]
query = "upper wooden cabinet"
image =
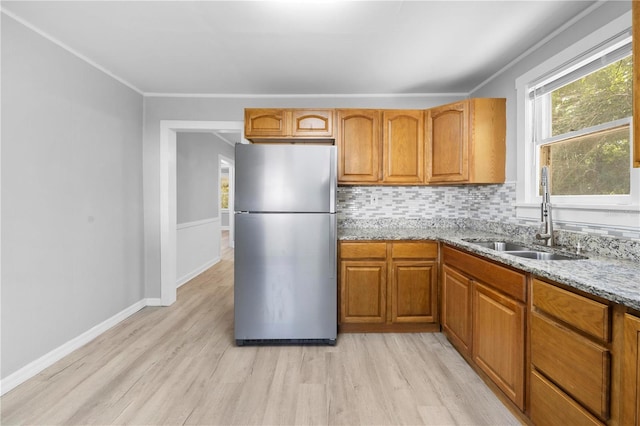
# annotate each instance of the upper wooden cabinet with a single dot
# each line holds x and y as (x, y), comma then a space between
(465, 142)
(312, 123)
(358, 139)
(368, 157)
(403, 146)
(268, 125)
(265, 123)
(636, 82)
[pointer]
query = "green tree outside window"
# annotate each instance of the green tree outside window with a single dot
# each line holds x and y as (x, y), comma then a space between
(224, 192)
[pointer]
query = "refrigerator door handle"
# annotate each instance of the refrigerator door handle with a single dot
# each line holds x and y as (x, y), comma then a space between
(332, 180)
(333, 244)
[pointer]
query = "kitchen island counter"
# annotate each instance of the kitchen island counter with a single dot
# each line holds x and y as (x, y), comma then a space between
(605, 277)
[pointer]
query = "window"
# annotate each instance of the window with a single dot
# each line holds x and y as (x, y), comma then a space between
(581, 117)
(224, 192)
(573, 114)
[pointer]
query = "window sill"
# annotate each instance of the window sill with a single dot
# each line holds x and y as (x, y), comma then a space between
(606, 215)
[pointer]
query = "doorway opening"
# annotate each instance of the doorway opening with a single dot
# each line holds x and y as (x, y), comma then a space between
(168, 198)
(225, 199)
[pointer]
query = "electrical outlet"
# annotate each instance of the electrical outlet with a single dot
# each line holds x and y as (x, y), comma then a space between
(448, 198)
(374, 200)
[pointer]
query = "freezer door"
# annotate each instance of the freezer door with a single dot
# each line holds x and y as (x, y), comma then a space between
(285, 178)
(285, 277)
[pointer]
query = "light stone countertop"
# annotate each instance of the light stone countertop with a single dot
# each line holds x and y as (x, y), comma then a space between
(611, 279)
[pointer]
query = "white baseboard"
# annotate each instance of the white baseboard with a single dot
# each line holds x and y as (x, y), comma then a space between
(185, 278)
(35, 367)
(153, 301)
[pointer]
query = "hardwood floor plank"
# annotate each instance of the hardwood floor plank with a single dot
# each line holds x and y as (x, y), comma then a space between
(436, 415)
(179, 365)
(282, 403)
(311, 407)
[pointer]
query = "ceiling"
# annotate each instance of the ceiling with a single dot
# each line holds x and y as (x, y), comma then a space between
(298, 47)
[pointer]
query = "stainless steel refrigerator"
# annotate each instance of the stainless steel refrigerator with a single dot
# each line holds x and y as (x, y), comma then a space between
(285, 288)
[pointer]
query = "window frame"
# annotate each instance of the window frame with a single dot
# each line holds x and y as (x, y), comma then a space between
(609, 211)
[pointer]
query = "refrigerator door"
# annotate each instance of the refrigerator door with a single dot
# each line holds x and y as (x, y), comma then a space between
(285, 178)
(285, 278)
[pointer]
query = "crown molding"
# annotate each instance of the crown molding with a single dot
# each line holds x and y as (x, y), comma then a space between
(303, 96)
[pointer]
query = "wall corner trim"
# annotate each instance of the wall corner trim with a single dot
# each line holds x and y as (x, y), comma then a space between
(33, 368)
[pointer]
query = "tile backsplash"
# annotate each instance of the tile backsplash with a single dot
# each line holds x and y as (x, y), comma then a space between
(481, 207)
(483, 202)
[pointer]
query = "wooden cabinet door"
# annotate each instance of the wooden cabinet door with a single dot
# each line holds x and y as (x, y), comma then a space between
(265, 122)
(403, 146)
(413, 291)
(447, 134)
(358, 141)
(316, 123)
(631, 372)
(363, 291)
(498, 340)
(456, 308)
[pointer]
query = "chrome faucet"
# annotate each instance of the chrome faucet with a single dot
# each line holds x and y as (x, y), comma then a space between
(546, 227)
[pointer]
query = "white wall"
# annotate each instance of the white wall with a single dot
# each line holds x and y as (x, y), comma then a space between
(197, 186)
(197, 248)
(197, 192)
(72, 230)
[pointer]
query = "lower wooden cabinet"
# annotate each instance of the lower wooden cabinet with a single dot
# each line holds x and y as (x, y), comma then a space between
(498, 340)
(570, 356)
(388, 286)
(577, 365)
(365, 288)
(566, 358)
(631, 372)
(456, 309)
(550, 406)
(484, 317)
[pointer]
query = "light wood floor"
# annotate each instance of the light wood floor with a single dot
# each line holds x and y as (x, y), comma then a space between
(179, 365)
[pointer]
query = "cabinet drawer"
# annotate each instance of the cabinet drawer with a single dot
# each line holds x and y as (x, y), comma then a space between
(363, 250)
(584, 314)
(417, 250)
(551, 406)
(576, 364)
(503, 279)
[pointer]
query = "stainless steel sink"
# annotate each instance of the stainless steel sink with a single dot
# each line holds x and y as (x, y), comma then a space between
(543, 255)
(519, 250)
(500, 245)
